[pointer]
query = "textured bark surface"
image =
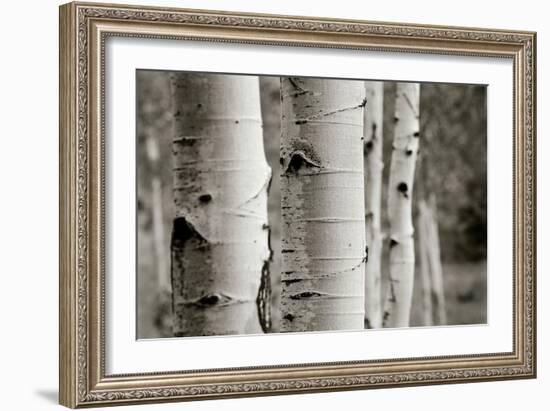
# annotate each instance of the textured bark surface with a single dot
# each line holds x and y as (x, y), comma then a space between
(220, 239)
(400, 192)
(323, 244)
(374, 165)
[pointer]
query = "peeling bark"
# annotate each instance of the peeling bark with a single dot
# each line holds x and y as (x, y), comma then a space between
(400, 189)
(373, 142)
(220, 249)
(323, 244)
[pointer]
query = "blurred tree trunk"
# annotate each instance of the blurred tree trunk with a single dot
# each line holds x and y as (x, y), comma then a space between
(400, 192)
(220, 238)
(161, 252)
(424, 245)
(436, 269)
(374, 164)
(433, 296)
(323, 244)
(433, 293)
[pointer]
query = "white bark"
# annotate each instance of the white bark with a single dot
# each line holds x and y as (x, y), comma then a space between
(220, 249)
(400, 193)
(374, 165)
(323, 244)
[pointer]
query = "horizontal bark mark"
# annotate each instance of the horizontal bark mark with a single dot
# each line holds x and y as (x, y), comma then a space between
(329, 113)
(214, 299)
(293, 280)
(211, 300)
(310, 295)
(328, 220)
(306, 295)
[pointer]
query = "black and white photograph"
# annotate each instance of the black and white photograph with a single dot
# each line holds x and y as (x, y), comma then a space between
(270, 204)
(262, 204)
(274, 205)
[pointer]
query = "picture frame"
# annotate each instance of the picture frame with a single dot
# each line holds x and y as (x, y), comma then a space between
(84, 30)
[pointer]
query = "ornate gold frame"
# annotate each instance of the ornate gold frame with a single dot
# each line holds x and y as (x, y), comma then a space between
(83, 30)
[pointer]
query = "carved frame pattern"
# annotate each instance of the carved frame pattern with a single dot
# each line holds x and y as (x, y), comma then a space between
(83, 30)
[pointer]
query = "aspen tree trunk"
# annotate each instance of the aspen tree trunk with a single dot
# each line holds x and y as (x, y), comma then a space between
(220, 249)
(435, 262)
(161, 253)
(323, 244)
(425, 275)
(374, 164)
(400, 192)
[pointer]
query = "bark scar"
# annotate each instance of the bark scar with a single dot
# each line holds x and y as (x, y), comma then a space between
(369, 144)
(385, 318)
(403, 189)
(368, 147)
(392, 298)
(183, 231)
(205, 198)
(263, 301)
(288, 317)
(367, 323)
(299, 90)
(298, 159)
